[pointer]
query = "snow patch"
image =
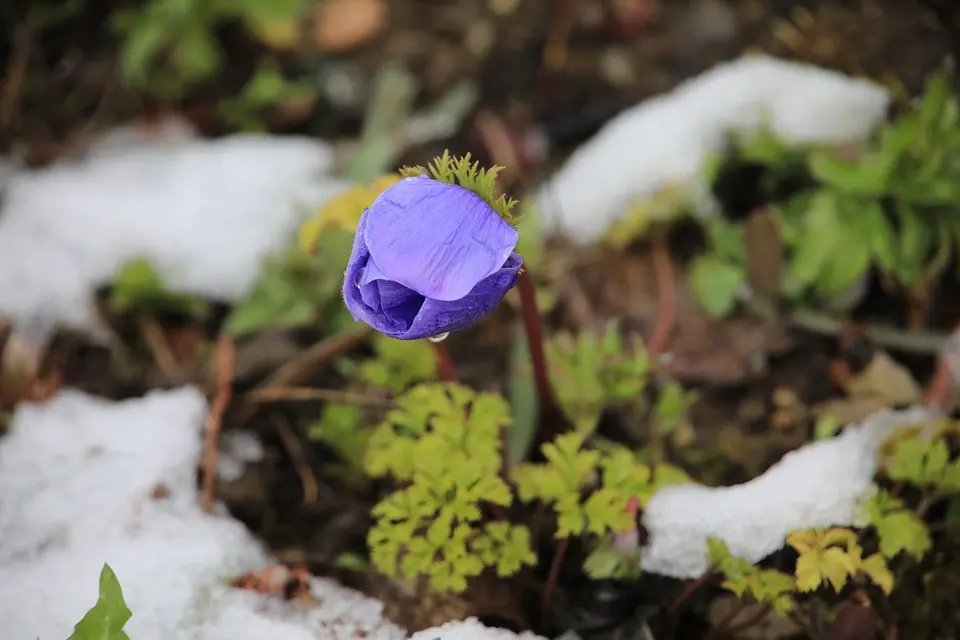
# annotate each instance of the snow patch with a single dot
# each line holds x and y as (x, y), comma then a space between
(204, 212)
(471, 629)
(84, 481)
(665, 140)
(819, 485)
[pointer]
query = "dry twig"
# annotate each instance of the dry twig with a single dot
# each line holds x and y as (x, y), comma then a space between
(311, 488)
(224, 359)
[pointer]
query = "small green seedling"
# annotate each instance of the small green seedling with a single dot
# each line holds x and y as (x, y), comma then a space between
(590, 372)
(106, 619)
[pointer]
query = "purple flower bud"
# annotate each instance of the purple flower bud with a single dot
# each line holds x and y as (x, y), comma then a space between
(428, 258)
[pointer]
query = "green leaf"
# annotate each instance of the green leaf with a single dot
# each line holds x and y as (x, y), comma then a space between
(397, 365)
(869, 175)
(918, 461)
(820, 240)
(875, 568)
(882, 239)
(105, 621)
(197, 55)
(590, 371)
(672, 405)
(916, 243)
(298, 289)
(138, 287)
(715, 284)
(524, 402)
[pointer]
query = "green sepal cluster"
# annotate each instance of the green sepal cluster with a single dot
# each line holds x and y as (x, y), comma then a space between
(470, 176)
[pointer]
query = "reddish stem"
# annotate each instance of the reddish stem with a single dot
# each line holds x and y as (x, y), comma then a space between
(666, 293)
(534, 329)
(444, 363)
(689, 590)
(552, 577)
(938, 388)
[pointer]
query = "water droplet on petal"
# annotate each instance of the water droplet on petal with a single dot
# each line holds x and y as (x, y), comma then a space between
(439, 338)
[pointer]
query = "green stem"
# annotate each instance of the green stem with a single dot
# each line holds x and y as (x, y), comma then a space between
(888, 337)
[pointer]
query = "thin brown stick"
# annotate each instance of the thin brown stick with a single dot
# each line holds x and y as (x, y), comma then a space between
(444, 363)
(309, 361)
(726, 627)
(666, 297)
(332, 396)
(159, 348)
(308, 480)
(224, 359)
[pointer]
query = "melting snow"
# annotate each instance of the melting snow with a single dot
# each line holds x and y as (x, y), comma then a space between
(204, 212)
(818, 485)
(664, 141)
(77, 476)
(470, 629)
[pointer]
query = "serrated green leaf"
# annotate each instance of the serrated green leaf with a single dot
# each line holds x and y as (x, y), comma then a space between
(875, 568)
(903, 531)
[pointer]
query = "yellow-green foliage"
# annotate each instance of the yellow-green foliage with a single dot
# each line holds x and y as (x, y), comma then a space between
(570, 469)
(826, 558)
(923, 461)
(461, 171)
(396, 365)
(744, 579)
(611, 477)
(590, 371)
(835, 557)
(899, 529)
(443, 442)
(343, 211)
(832, 557)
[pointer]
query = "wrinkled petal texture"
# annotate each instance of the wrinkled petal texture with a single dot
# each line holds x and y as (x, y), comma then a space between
(437, 239)
(400, 312)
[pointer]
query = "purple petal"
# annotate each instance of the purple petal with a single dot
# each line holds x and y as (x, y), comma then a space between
(401, 313)
(440, 316)
(438, 239)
